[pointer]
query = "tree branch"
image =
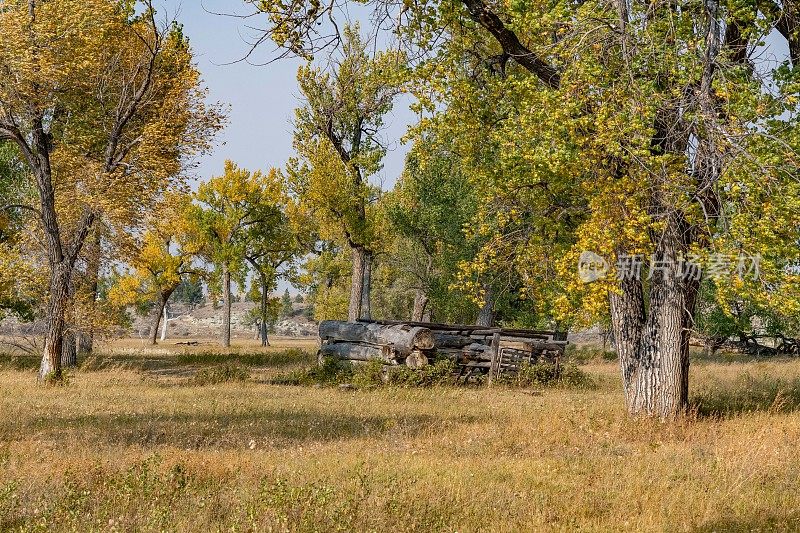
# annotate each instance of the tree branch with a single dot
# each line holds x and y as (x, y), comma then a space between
(480, 13)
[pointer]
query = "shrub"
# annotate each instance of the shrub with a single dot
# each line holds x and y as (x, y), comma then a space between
(284, 357)
(12, 361)
(221, 374)
(371, 374)
(548, 375)
(330, 372)
(375, 374)
(586, 354)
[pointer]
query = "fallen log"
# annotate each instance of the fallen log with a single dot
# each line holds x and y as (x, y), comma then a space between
(451, 340)
(402, 338)
(416, 360)
(552, 346)
(358, 352)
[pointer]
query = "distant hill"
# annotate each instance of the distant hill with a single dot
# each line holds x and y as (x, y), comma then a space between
(205, 321)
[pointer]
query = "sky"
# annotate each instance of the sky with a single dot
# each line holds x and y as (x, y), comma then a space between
(261, 99)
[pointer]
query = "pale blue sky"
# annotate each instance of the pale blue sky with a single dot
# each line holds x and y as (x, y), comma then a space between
(262, 99)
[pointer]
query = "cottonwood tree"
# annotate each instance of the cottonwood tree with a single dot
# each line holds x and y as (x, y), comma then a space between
(674, 132)
(276, 236)
(226, 208)
(325, 276)
(161, 260)
(18, 278)
(336, 139)
(104, 105)
(428, 210)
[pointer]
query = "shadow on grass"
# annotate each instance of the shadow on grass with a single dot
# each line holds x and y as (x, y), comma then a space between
(699, 357)
(747, 393)
(764, 522)
(179, 364)
(19, 362)
(265, 427)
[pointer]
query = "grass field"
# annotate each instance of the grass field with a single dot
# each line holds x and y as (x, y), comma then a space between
(132, 443)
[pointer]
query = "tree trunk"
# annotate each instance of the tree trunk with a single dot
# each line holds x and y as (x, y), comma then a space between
(162, 304)
(486, 315)
(165, 323)
(86, 337)
(264, 305)
(420, 306)
(226, 307)
(356, 284)
(86, 341)
(653, 347)
(69, 350)
(50, 367)
(366, 287)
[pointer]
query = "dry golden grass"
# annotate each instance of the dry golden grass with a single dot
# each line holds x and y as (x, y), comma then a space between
(239, 344)
(131, 449)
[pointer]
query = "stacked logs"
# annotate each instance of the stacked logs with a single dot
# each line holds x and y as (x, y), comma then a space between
(415, 344)
(392, 344)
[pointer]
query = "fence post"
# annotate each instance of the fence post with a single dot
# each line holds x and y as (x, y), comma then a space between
(494, 367)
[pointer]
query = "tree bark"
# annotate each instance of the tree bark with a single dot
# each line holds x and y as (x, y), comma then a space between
(486, 315)
(264, 305)
(366, 286)
(403, 339)
(358, 352)
(653, 346)
(69, 350)
(162, 304)
(50, 367)
(420, 306)
(356, 284)
(161, 313)
(226, 307)
(165, 323)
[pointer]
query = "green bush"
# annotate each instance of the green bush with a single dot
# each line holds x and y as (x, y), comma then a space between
(228, 372)
(9, 361)
(371, 374)
(330, 372)
(375, 374)
(548, 375)
(585, 354)
(439, 373)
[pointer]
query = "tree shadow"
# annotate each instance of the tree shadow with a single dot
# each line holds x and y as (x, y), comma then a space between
(762, 522)
(177, 364)
(265, 428)
(747, 393)
(23, 362)
(185, 364)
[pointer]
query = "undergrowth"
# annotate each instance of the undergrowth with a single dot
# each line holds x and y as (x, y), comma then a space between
(587, 354)
(228, 372)
(548, 375)
(374, 374)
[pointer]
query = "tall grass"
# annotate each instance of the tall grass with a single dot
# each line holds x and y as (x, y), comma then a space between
(115, 452)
